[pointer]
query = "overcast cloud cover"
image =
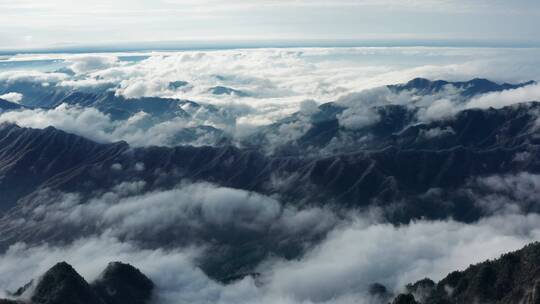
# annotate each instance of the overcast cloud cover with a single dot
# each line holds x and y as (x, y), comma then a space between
(54, 23)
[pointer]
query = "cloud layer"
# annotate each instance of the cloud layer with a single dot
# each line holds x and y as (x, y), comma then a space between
(272, 84)
(339, 270)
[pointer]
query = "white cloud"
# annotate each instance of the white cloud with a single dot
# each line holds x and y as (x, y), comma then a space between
(138, 130)
(358, 250)
(32, 76)
(437, 132)
(82, 64)
(87, 122)
(195, 208)
(439, 110)
(279, 81)
(506, 98)
(359, 254)
(12, 97)
(508, 193)
(358, 117)
(337, 271)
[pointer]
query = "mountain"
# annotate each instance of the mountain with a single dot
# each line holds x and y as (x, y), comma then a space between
(324, 132)
(409, 179)
(117, 106)
(122, 283)
(62, 285)
(396, 166)
(39, 158)
(402, 168)
(9, 106)
(220, 90)
(118, 284)
(513, 278)
(469, 88)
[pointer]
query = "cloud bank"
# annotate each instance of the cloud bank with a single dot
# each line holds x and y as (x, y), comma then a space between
(336, 271)
(275, 83)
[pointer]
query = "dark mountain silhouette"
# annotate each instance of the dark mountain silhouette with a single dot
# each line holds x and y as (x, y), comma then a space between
(400, 165)
(119, 284)
(122, 283)
(220, 90)
(62, 285)
(513, 278)
(469, 88)
(9, 106)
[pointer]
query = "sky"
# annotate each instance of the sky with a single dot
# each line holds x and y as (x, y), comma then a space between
(58, 23)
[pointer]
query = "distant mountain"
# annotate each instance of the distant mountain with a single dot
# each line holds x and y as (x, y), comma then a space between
(118, 284)
(322, 131)
(395, 122)
(9, 106)
(108, 102)
(468, 88)
(513, 278)
(220, 90)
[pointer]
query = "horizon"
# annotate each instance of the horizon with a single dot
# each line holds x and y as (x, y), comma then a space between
(208, 45)
(30, 24)
(269, 151)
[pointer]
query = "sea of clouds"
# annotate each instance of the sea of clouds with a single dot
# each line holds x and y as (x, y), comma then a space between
(355, 254)
(355, 251)
(269, 84)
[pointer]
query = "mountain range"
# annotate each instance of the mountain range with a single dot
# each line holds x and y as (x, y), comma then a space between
(402, 165)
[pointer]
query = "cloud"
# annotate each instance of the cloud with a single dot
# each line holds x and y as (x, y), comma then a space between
(141, 129)
(508, 193)
(12, 97)
(87, 122)
(358, 118)
(343, 255)
(439, 110)
(437, 132)
(281, 82)
(361, 253)
(506, 98)
(171, 270)
(200, 211)
(339, 270)
(88, 63)
(31, 76)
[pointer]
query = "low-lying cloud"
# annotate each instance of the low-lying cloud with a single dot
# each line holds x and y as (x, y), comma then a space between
(127, 223)
(506, 98)
(82, 64)
(339, 270)
(12, 97)
(141, 129)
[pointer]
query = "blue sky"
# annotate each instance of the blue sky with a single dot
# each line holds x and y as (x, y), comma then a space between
(45, 23)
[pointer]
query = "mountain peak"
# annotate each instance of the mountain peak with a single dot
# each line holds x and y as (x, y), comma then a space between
(62, 285)
(122, 283)
(119, 283)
